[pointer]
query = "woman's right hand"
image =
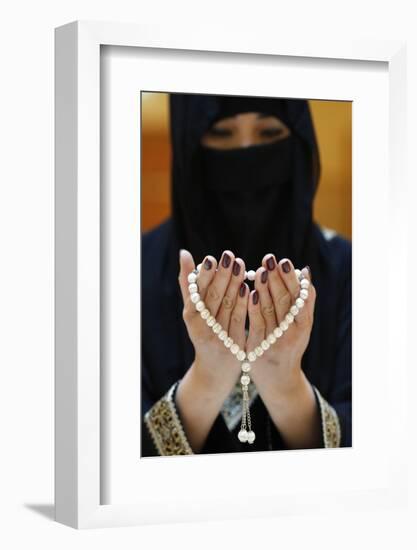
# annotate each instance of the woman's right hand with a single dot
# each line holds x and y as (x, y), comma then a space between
(214, 372)
(222, 288)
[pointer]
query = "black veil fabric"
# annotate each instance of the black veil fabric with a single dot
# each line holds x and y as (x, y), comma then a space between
(279, 182)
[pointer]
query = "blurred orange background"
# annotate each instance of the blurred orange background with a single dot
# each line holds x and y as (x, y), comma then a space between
(333, 124)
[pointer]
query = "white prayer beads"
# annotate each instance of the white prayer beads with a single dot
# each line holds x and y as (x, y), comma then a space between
(250, 275)
(246, 358)
(271, 338)
(305, 283)
(278, 332)
(195, 297)
(299, 302)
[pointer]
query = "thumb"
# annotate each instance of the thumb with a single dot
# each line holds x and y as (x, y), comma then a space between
(186, 266)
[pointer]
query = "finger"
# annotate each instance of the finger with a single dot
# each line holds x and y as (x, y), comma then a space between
(305, 315)
(267, 305)
(256, 323)
(206, 275)
(280, 295)
(289, 277)
(217, 288)
(238, 318)
(229, 298)
(187, 266)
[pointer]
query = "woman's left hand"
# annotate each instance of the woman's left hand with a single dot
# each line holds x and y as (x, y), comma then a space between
(277, 373)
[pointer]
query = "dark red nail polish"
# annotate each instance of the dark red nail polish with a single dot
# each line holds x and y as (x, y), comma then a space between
(264, 276)
(242, 290)
(286, 268)
(208, 264)
(255, 297)
(270, 263)
(226, 260)
(236, 268)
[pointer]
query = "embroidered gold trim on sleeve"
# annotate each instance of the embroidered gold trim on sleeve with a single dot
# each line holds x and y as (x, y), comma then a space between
(329, 422)
(165, 427)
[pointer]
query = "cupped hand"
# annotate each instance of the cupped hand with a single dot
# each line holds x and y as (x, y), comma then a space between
(222, 288)
(276, 289)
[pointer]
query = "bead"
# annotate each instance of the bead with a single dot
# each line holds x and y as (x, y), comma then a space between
(199, 267)
(252, 356)
(278, 332)
(294, 310)
(305, 283)
(228, 342)
(259, 351)
(297, 272)
(242, 436)
(192, 277)
(265, 345)
(283, 325)
(299, 303)
(205, 314)
(195, 297)
(245, 380)
(216, 328)
(222, 335)
(192, 288)
(211, 321)
(245, 366)
(304, 293)
(251, 275)
(251, 437)
(200, 306)
(271, 338)
(246, 276)
(234, 348)
(241, 355)
(289, 318)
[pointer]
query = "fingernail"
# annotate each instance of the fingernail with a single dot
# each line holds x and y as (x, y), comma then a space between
(286, 268)
(208, 264)
(309, 272)
(226, 260)
(255, 297)
(182, 250)
(270, 263)
(242, 290)
(236, 268)
(264, 276)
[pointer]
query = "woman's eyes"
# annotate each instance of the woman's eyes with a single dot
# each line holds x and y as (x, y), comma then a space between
(220, 132)
(225, 132)
(272, 132)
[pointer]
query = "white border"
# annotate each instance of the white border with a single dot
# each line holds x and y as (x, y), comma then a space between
(126, 71)
(78, 277)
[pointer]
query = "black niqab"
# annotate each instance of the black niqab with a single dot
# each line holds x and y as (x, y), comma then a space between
(252, 200)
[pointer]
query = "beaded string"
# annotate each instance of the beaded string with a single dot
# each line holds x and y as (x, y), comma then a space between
(246, 434)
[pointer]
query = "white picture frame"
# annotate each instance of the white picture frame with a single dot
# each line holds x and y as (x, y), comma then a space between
(79, 410)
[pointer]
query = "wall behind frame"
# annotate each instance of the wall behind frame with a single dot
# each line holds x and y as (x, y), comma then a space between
(333, 123)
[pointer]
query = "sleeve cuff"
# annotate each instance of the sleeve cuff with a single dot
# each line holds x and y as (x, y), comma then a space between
(330, 424)
(164, 425)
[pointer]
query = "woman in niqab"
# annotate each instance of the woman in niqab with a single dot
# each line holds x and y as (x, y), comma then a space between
(240, 201)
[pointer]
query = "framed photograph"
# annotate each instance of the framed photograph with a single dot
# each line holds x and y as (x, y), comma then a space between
(165, 409)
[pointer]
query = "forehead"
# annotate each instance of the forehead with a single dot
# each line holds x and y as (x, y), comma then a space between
(247, 117)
